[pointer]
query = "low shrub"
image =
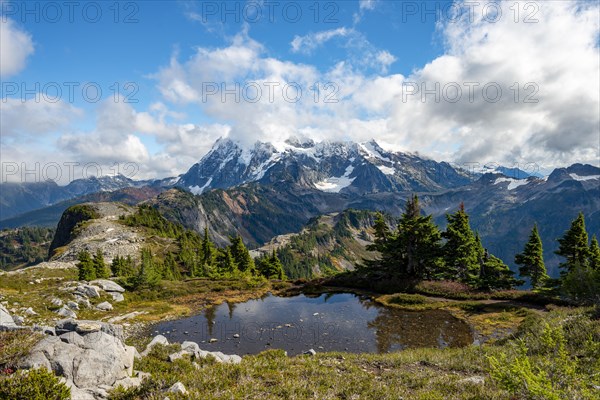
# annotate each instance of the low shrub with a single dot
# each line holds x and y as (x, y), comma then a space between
(35, 384)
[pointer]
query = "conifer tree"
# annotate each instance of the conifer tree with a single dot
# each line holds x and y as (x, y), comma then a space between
(226, 263)
(531, 260)
(495, 274)
(170, 268)
(241, 255)
(270, 267)
(416, 243)
(148, 274)
(384, 237)
(87, 272)
(102, 271)
(573, 246)
(461, 252)
(594, 258)
(208, 253)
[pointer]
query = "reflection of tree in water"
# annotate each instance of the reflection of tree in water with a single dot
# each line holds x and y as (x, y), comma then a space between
(209, 314)
(402, 329)
(231, 307)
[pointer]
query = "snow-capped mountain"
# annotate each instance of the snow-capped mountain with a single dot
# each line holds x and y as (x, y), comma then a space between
(339, 167)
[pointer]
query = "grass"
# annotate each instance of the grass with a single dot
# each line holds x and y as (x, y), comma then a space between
(521, 357)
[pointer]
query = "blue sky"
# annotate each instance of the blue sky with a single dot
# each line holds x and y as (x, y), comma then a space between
(369, 49)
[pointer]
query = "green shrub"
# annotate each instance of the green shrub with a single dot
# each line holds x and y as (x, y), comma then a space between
(35, 384)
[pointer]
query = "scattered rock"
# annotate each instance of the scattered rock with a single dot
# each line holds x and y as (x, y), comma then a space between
(73, 306)
(310, 352)
(83, 327)
(213, 340)
(117, 297)
(236, 335)
(30, 312)
(19, 320)
(89, 290)
(475, 380)
(158, 339)
(126, 316)
(178, 355)
(66, 312)
(6, 320)
(105, 306)
(56, 302)
(128, 382)
(177, 388)
(108, 286)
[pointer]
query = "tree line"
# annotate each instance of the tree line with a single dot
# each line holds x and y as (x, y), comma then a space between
(418, 249)
(196, 256)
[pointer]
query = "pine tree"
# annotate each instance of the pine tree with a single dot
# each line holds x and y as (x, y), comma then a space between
(461, 252)
(225, 262)
(241, 255)
(594, 257)
(531, 260)
(208, 253)
(573, 246)
(495, 274)
(148, 274)
(87, 272)
(384, 238)
(270, 267)
(117, 265)
(102, 271)
(170, 268)
(416, 243)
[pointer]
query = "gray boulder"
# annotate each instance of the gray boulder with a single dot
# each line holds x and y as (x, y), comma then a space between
(84, 327)
(158, 339)
(108, 286)
(6, 320)
(88, 290)
(66, 312)
(177, 388)
(73, 305)
(88, 360)
(105, 306)
(117, 297)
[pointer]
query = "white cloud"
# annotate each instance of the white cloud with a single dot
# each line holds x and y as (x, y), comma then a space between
(307, 43)
(35, 117)
(15, 46)
(366, 4)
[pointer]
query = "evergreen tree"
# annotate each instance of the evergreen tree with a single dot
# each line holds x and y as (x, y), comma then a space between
(170, 268)
(225, 262)
(87, 272)
(102, 271)
(208, 253)
(384, 237)
(531, 260)
(573, 246)
(241, 255)
(270, 267)
(461, 252)
(148, 274)
(416, 243)
(594, 258)
(495, 274)
(117, 265)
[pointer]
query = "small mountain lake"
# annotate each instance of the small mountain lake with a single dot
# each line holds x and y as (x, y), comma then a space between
(326, 322)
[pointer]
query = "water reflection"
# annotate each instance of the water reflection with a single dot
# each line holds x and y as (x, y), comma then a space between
(328, 322)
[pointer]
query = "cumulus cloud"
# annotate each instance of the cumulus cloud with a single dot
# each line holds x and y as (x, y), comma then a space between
(547, 112)
(15, 46)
